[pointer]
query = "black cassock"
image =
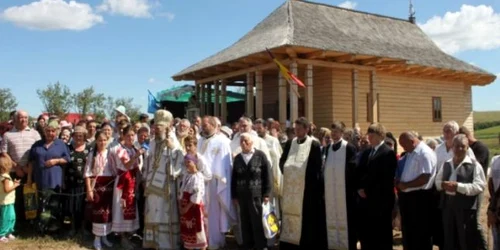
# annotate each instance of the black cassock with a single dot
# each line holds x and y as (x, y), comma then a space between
(313, 206)
(375, 175)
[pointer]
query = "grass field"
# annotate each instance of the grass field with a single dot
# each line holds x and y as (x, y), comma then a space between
(489, 136)
(486, 116)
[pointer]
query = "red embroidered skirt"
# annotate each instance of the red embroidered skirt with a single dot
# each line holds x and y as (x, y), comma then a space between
(126, 183)
(103, 199)
(193, 228)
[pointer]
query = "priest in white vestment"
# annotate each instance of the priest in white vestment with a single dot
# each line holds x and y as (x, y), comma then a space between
(303, 206)
(162, 169)
(275, 151)
(340, 191)
(217, 153)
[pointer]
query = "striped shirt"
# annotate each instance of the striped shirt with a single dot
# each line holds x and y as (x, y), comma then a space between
(17, 144)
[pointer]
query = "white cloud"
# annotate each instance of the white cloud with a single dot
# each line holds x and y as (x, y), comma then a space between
(131, 8)
(152, 80)
(348, 5)
(471, 28)
(52, 15)
(168, 15)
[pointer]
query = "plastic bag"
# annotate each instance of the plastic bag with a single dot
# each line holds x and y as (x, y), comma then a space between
(30, 201)
(269, 221)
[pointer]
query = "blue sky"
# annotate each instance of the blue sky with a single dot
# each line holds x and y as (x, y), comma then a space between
(124, 47)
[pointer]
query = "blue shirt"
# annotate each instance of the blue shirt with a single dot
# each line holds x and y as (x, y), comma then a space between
(48, 177)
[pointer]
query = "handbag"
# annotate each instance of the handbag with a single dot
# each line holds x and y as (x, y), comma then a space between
(30, 201)
(269, 221)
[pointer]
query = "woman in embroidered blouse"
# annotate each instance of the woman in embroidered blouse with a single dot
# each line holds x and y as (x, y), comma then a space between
(99, 179)
(125, 159)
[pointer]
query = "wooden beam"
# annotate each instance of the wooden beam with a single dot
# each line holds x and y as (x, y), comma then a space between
(254, 60)
(398, 62)
(371, 61)
(334, 64)
(354, 97)
(291, 53)
(309, 93)
(240, 72)
(344, 58)
(237, 64)
(316, 54)
(259, 101)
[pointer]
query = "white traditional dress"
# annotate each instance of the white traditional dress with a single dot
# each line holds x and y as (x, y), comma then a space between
(98, 167)
(335, 198)
(217, 153)
(161, 221)
(120, 223)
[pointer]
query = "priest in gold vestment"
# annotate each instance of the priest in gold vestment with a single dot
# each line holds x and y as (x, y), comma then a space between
(303, 205)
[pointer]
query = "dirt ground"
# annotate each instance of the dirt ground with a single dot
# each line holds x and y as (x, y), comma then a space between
(28, 241)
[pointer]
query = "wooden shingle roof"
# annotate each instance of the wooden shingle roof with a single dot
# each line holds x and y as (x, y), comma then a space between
(329, 28)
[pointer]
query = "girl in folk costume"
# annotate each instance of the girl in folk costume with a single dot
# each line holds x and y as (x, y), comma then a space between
(193, 227)
(99, 179)
(125, 159)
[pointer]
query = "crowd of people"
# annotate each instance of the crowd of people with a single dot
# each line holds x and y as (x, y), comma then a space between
(179, 184)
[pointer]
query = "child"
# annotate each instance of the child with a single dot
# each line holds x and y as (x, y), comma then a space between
(193, 231)
(99, 180)
(7, 198)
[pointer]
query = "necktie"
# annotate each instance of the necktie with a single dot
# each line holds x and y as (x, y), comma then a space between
(372, 153)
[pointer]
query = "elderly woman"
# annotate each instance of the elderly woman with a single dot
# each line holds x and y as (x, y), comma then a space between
(46, 159)
(251, 185)
(74, 180)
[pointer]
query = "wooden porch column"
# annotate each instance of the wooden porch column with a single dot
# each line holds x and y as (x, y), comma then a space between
(223, 104)
(294, 99)
(217, 99)
(354, 97)
(309, 93)
(373, 97)
(208, 109)
(197, 91)
(259, 101)
(282, 101)
(250, 82)
(202, 98)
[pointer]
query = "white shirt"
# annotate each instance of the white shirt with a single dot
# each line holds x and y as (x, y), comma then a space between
(470, 189)
(247, 156)
(443, 155)
(421, 161)
(494, 171)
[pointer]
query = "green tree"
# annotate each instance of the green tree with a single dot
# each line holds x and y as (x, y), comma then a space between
(88, 101)
(8, 103)
(56, 99)
(133, 111)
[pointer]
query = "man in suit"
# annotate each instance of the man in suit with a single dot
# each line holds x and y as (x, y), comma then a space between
(375, 187)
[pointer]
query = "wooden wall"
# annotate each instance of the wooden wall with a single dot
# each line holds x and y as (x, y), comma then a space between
(405, 103)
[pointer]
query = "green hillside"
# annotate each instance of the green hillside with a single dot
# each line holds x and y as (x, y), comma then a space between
(489, 136)
(486, 116)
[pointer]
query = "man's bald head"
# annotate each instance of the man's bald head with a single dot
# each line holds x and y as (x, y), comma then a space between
(21, 119)
(408, 140)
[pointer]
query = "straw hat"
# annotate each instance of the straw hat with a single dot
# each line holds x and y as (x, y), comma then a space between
(163, 117)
